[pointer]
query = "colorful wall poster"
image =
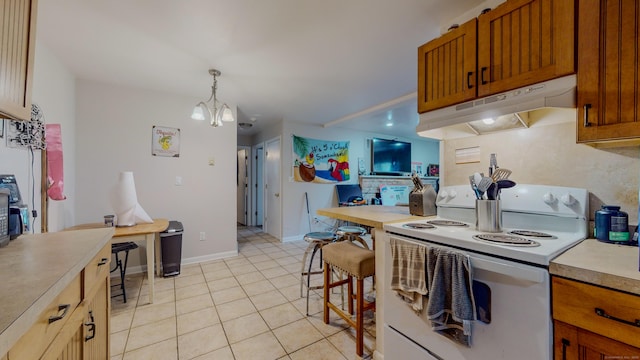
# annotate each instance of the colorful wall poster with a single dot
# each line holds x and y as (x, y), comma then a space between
(320, 161)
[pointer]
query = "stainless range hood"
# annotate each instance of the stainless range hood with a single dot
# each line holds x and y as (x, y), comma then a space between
(510, 108)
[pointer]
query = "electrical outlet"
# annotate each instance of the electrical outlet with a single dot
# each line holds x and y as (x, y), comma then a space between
(203, 236)
(316, 220)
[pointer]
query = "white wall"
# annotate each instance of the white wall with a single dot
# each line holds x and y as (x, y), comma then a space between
(53, 91)
(114, 126)
(295, 220)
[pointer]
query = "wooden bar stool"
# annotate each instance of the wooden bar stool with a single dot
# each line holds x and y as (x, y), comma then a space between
(316, 241)
(358, 263)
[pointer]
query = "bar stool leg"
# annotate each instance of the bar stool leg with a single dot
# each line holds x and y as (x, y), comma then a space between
(327, 281)
(359, 316)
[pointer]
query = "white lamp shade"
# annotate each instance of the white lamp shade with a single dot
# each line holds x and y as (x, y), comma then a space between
(124, 202)
(225, 113)
(198, 112)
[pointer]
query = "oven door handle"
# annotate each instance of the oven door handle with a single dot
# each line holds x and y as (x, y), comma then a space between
(532, 275)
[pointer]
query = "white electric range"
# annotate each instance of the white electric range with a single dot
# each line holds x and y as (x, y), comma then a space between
(539, 223)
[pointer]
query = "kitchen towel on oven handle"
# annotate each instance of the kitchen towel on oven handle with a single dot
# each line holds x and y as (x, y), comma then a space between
(408, 274)
(451, 307)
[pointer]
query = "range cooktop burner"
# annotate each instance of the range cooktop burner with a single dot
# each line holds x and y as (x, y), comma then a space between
(530, 233)
(503, 239)
(446, 223)
(418, 226)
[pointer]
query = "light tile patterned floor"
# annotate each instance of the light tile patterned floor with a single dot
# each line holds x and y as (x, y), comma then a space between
(244, 307)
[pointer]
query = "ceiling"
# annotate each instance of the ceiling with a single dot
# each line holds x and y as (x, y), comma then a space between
(334, 62)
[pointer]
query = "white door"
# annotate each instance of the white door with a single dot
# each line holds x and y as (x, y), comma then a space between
(273, 200)
(242, 184)
(258, 186)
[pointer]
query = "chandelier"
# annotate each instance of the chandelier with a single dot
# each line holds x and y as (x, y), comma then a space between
(213, 110)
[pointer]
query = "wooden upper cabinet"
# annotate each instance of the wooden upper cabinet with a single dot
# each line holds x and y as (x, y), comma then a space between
(523, 42)
(519, 43)
(447, 68)
(17, 44)
(608, 72)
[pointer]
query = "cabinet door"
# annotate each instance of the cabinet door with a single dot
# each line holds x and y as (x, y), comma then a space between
(523, 42)
(565, 341)
(17, 45)
(96, 324)
(572, 343)
(447, 68)
(608, 70)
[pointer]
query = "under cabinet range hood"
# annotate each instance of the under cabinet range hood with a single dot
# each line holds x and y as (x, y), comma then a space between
(507, 109)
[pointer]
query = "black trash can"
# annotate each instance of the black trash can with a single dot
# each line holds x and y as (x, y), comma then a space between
(171, 242)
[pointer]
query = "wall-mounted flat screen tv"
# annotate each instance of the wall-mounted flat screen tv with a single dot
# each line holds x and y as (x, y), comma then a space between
(390, 157)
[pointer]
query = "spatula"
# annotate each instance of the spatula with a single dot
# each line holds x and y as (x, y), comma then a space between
(484, 184)
(501, 174)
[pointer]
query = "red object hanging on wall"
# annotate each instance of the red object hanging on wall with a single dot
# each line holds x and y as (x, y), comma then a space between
(55, 169)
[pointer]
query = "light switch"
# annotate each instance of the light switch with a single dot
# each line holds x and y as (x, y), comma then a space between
(178, 180)
(212, 161)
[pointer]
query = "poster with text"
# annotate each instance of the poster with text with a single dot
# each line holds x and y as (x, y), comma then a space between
(165, 141)
(320, 161)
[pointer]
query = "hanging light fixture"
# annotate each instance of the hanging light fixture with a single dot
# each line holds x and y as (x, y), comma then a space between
(212, 110)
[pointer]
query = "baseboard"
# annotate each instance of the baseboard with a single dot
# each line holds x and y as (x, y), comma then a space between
(193, 260)
(377, 355)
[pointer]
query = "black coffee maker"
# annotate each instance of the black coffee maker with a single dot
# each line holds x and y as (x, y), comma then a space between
(15, 221)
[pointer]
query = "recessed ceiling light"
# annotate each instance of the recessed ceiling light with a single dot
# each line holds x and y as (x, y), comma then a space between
(389, 124)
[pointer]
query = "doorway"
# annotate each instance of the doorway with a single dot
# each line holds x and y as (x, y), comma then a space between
(272, 189)
(257, 213)
(242, 183)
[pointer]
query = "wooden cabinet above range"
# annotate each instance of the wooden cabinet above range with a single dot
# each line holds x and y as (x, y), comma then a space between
(519, 43)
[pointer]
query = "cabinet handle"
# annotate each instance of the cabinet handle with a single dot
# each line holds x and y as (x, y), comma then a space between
(565, 343)
(92, 327)
(586, 115)
(482, 71)
(103, 261)
(469, 84)
(601, 312)
(64, 308)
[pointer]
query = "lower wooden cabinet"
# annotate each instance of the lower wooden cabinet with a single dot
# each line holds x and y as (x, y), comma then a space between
(570, 342)
(84, 329)
(591, 322)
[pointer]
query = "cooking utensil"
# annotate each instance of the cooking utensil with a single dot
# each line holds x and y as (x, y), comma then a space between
(492, 191)
(501, 174)
(505, 183)
(477, 177)
(484, 184)
(474, 187)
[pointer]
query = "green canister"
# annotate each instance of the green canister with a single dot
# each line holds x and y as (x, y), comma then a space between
(619, 231)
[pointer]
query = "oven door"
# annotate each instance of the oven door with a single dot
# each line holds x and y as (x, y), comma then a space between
(520, 315)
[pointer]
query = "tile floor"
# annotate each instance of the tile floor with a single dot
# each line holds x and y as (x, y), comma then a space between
(244, 307)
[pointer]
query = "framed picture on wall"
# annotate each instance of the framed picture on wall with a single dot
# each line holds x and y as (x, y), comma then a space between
(165, 141)
(433, 170)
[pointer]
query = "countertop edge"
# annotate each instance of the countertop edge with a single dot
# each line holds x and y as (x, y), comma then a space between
(607, 265)
(23, 323)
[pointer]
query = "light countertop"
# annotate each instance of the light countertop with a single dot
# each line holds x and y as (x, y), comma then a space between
(609, 265)
(35, 268)
(370, 215)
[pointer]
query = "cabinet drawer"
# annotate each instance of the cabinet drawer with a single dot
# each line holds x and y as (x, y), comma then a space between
(610, 313)
(97, 269)
(33, 343)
